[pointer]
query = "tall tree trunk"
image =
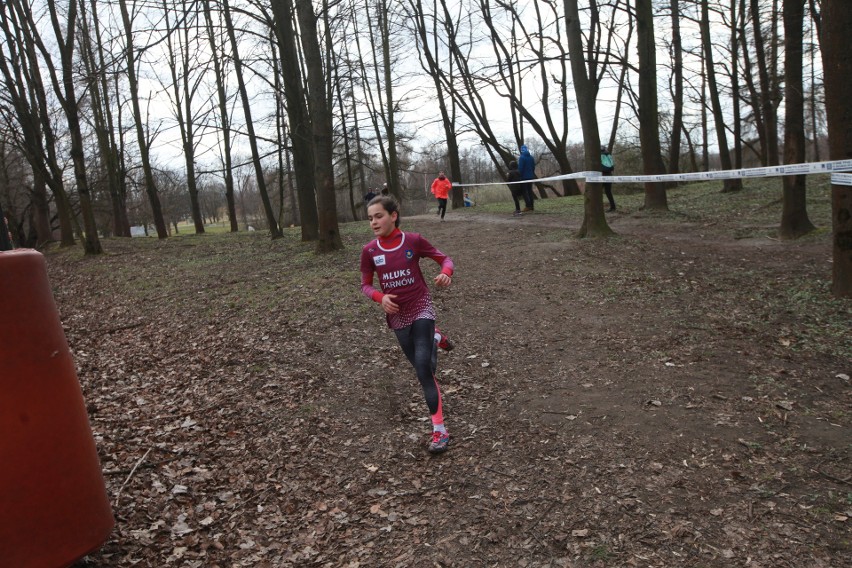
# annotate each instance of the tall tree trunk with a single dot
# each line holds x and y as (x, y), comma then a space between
(260, 177)
(649, 123)
(28, 98)
(794, 215)
(390, 103)
(677, 99)
(321, 130)
(715, 101)
(836, 31)
(737, 126)
(586, 89)
(144, 150)
(223, 118)
(102, 116)
(183, 92)
(300, 121)
(769, 135)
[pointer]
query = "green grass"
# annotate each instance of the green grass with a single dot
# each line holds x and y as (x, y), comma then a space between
(758, 206)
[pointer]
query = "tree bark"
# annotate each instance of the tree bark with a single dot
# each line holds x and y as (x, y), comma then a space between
(144, 150)
(794, 215)
(715, 101)
(586, 90)
(260, 177)
(300, 122)
(321, 130)
(67, 96)
(222, 99)
(836, 31)
(649, 122)
(769, 135)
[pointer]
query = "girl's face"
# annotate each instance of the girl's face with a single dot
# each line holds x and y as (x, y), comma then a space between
(382, 222)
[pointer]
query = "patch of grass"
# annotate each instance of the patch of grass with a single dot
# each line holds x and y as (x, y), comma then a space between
(600, 552)
(759, 203)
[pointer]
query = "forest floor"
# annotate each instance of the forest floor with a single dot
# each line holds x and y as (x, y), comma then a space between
(677, 395)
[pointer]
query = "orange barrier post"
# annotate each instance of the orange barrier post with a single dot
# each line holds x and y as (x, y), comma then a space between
(54, 507)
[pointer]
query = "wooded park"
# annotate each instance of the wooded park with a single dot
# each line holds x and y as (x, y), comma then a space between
(677, 395)
(284, 113)
(666, 384)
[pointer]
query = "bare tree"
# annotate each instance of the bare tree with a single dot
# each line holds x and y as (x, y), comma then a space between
(272, 223)
(97, 83)
(299, 117)
(66, 94)
(186, 76)
(26, 104)
(586, 87)
(649, 133)
(794, 216)
(225, 122)
(321, 130)
(676, 51)
(769, 92)
(139, 123)
(429, 52)
(715, 100)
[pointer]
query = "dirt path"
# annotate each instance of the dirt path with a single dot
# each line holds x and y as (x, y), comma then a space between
(646, 400)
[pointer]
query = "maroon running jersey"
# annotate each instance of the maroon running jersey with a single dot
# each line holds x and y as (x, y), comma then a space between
(397, 263)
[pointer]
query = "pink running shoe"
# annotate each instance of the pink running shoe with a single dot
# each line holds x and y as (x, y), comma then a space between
(444, 342)
(439, 443)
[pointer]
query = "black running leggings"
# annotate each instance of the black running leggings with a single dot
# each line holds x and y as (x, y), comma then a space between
(418, 343)
(442, 207)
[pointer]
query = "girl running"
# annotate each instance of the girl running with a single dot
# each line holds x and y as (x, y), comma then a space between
(404, 296)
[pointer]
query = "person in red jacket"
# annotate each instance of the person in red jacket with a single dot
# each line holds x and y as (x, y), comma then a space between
(394, 256)
(441, 190)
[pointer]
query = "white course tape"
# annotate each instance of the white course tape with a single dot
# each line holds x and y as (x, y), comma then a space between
(770, 171)
(841, 179)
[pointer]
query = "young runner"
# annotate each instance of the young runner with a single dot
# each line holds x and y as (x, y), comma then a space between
(441, 187)
(404, 296)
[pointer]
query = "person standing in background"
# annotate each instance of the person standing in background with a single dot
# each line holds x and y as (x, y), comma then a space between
(514, 175)
(441, 190)
(607, 167)
(526, 165)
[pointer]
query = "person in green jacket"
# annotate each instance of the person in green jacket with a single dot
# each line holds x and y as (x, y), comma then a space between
(607, 167)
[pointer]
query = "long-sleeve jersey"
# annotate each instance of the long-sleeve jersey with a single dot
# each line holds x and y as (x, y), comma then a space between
(396, 261)
(441, 187)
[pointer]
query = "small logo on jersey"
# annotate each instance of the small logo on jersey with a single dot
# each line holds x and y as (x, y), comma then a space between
(379, 260)
(409, 254)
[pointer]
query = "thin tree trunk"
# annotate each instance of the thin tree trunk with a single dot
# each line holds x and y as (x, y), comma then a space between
(769, 135)
(150, 185)
(260, 178)
(715, 101)
(67, 96)
(183, 93)
(677, 102)
(223, 117)
(736, 127)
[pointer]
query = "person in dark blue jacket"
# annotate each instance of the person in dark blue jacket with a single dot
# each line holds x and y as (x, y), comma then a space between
(526, 165)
